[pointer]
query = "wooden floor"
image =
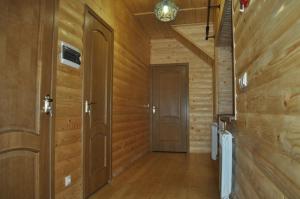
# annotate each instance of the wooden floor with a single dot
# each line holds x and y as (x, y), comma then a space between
(166, 176)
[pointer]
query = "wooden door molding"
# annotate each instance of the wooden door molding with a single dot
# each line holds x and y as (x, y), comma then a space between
(28, 43)
(109, 77)
(174, 65)
(53, 94)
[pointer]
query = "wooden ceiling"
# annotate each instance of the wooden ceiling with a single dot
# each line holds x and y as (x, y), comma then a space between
(190, 12)
(195, 34)
(141, 6)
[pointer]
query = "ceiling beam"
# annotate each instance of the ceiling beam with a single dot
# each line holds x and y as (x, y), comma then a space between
(193, 47)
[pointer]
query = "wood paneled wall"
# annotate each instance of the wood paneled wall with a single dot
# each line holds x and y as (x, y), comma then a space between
(166, 51)
(130, 130)
(131, 81)
(224, 80)
(267, 47)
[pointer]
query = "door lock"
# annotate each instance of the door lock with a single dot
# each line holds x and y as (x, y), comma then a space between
(47, 105)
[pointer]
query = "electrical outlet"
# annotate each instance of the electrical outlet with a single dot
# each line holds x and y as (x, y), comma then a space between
(68, 180)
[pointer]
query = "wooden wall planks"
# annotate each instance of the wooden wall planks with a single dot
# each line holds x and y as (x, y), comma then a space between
(267, 42)
(130, 130)
(166, 51)
(68, 105)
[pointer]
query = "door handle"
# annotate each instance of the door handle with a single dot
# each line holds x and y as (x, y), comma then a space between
(88, 106)
(154, 109)
(47, 108)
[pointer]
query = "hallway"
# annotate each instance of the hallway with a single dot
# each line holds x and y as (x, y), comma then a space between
(166, 176)
(89, 89)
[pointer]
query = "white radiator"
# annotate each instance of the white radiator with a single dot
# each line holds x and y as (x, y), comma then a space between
(225, 164)
(214, 141)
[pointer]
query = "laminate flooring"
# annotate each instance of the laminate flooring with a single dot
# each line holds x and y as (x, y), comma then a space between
(165, 176)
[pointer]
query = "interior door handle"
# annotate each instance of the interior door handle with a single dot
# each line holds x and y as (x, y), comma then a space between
(88, 106)
(47, 108)
(154, 109)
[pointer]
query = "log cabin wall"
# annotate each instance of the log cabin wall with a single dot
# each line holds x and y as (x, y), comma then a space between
(166, 51)
(267, 44)
(130, 128)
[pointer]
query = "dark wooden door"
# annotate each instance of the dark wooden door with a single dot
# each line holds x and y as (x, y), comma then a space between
(169, 110)
(97, 120)
(26, 49)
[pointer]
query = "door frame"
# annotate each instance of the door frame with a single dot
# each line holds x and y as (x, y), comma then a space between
(52, 130)
(186, 65)
(88, 10)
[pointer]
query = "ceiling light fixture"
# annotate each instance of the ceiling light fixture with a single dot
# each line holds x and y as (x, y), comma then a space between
(166, 10)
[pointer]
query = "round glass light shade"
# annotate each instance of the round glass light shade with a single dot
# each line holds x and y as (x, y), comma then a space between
(166, 10)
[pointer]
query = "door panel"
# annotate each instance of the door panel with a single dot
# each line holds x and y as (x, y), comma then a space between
(169, 97)
(97, 122)
(26, 45)
(19, 72)
(27, 182)
(99, 61)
